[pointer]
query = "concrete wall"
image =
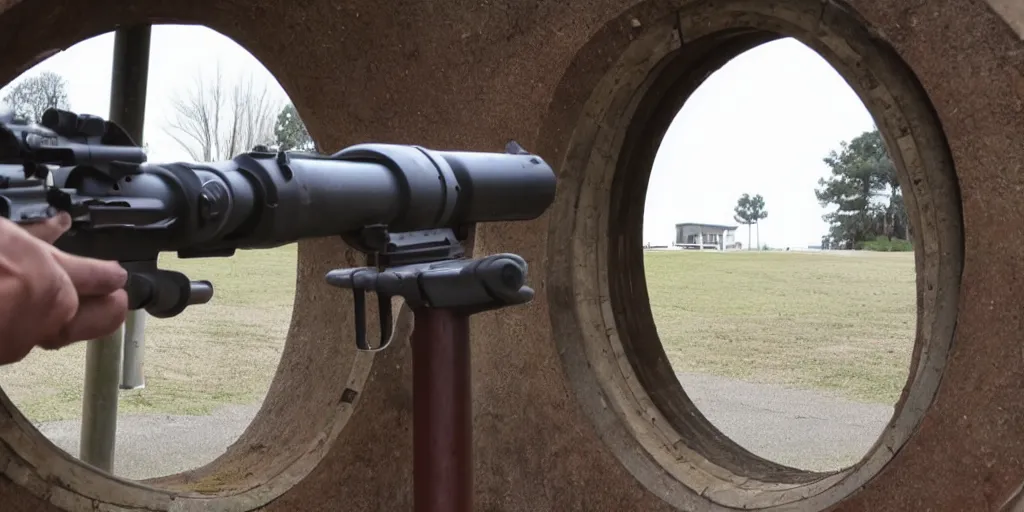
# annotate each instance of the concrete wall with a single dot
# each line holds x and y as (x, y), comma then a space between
(573, 402)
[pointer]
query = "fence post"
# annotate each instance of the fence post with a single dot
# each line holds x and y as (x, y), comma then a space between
(103, 358)
(132, 370)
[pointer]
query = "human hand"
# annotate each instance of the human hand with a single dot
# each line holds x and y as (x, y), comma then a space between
(49, 298)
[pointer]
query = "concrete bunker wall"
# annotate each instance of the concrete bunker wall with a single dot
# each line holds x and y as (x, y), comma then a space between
(569, 413)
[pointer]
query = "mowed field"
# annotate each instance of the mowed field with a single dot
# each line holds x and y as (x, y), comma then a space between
(840, 321)
(225, 351)
(844, 322)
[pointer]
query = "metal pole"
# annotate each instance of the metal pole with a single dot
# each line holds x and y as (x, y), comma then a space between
(99, 401)
(128, 83)
(132, 375)
(442, 412)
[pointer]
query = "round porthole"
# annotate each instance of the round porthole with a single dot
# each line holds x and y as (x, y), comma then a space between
(606, 333)
(293, 397)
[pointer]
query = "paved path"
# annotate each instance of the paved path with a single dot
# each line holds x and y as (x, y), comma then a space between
(156, 445)
(809, 430)
(804, 429)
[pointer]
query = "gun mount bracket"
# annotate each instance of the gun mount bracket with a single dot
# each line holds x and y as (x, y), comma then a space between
(468, 286)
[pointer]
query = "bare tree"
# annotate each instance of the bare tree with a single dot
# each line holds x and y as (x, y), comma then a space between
(34, 95)
(215, 119)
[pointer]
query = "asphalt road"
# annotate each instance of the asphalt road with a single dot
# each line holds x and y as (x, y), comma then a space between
(804, 429)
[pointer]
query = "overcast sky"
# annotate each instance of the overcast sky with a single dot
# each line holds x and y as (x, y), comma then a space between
(760, 125)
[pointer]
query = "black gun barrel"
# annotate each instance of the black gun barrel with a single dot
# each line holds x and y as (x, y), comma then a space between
(501, 187)
(262, 200)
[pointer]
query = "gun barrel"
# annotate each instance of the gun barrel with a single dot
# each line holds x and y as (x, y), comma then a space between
(262, 200)
(407, 188)
(500, 187)
(309, 198)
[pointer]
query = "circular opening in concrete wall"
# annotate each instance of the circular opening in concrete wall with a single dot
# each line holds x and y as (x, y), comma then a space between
(211, 405)
(779, 259)
(190, 384)
(618, 346)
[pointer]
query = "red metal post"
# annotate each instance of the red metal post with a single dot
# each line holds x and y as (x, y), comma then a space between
(442, 412)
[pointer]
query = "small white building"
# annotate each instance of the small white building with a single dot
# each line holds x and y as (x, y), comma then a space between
(720, 237)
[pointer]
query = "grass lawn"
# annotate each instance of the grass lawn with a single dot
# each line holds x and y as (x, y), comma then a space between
(843, 322)
(838, 321)
(225, 351)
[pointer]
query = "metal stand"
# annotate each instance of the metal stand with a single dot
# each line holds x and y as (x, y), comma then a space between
(103, 356)
(443, 295)
(442, 412)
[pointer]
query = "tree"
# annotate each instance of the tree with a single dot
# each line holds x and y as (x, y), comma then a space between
(34, 95)
(757, 214)
(750, 211)
(896, 223)
(861, 172)
(744, 215)
(216, 120)
(290, 132)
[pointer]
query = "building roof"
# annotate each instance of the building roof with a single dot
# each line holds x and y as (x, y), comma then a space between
(713, 226)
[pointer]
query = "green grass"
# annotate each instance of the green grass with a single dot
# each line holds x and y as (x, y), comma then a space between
(840, 322)
(223, 352)
(837, 321)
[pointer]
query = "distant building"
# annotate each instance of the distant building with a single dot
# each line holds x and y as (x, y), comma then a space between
(706, 236)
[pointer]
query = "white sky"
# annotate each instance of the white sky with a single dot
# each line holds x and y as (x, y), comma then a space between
(178, 54)
(760, 125)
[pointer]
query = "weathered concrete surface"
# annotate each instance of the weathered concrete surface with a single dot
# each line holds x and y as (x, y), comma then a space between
(334, 433)
(1012, 11)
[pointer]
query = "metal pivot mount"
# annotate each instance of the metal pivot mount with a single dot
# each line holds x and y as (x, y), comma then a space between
(442, 295)
(427, 269)
(464, 286)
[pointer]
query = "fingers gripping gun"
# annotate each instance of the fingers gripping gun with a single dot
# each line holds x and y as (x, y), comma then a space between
(406, 207)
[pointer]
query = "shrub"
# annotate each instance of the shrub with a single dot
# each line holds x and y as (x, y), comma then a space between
(883, 244)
